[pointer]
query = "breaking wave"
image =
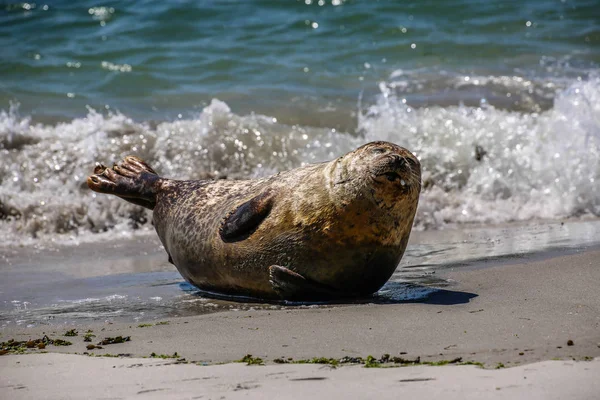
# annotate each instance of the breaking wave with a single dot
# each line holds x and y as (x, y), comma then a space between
(481, 163)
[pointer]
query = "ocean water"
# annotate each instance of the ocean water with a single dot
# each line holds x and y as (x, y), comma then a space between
(499, 100)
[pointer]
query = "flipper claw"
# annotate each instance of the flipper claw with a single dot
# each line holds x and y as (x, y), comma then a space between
(132, 180)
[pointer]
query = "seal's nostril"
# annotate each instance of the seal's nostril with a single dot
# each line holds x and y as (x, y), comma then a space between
(399, 161)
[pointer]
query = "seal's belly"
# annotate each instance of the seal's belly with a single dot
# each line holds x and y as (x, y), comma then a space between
(325, 230)
(192, 240)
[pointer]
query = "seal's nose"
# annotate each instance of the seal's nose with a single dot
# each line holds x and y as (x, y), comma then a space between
(398, 161)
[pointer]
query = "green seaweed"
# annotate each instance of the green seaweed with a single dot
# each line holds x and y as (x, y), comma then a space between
(110, 355)
(164, 356)
(385, 361)
(476, 363)
(405, 361)
(20, 347)
(351, 360)
(114, 340)
(324, 360)
(457, 360)
(319, 360)
(249, 360)
(60, 342)
(372, 362)
(71, 332)
(156, 324)
(87, 337)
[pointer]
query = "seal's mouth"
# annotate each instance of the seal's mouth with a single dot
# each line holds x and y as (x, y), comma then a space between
(399, 179)
(392, 176)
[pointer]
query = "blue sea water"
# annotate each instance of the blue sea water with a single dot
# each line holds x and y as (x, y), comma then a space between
(290, 59)
(247, 88)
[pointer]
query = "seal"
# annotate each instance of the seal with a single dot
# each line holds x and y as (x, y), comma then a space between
(323, 231)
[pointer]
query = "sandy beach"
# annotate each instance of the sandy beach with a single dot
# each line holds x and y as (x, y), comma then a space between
(522, 317)
(497, 294)
(75, 377)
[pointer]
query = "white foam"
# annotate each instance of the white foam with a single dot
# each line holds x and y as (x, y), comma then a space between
(537, 165)
(43, 195)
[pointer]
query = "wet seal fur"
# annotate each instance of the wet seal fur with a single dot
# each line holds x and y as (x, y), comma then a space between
(323, 231)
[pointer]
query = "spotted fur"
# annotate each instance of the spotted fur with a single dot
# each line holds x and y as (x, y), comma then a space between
(343, 224)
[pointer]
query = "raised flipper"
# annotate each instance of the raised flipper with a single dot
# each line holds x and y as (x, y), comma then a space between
(133, 180)
(291, 285)
(245, 219)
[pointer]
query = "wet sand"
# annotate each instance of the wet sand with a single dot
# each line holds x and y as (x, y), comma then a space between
(506, 314)
(119, 277)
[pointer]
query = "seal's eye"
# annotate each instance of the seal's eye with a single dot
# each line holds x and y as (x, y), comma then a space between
(378, 150)
(392, 176)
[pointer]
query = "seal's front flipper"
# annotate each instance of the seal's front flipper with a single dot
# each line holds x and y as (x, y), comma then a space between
(291, 285)
(245, 219)
(133, 180)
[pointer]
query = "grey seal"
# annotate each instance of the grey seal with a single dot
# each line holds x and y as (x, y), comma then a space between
(330, 230)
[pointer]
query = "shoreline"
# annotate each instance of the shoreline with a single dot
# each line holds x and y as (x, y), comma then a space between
(127, 278)
(512, 314)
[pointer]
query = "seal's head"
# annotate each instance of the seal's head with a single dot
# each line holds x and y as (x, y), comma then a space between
(384, 172)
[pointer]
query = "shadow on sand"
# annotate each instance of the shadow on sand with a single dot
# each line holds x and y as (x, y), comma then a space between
(390, 293)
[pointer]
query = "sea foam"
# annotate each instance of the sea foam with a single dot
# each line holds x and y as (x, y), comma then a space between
(480, 163)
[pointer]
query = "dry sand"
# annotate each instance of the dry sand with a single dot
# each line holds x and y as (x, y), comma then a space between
(519, 312)
(64, 376)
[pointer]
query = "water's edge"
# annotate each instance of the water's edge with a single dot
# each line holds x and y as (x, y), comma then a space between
(130, 279)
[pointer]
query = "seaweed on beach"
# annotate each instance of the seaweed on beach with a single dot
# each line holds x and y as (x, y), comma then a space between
(87, 337)
(372, 362)
(114, 340)
(20, 347)
(351, 360)
(60, 342)
(319, 360)
(155, 324)
(164, 356)
(71, 332)
(385, 361)
(120, 355)
(250, 360)
(405, 361)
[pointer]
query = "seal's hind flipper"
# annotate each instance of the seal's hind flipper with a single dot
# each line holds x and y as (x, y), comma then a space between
(245, 219)
(291, 285)
(133, 180)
